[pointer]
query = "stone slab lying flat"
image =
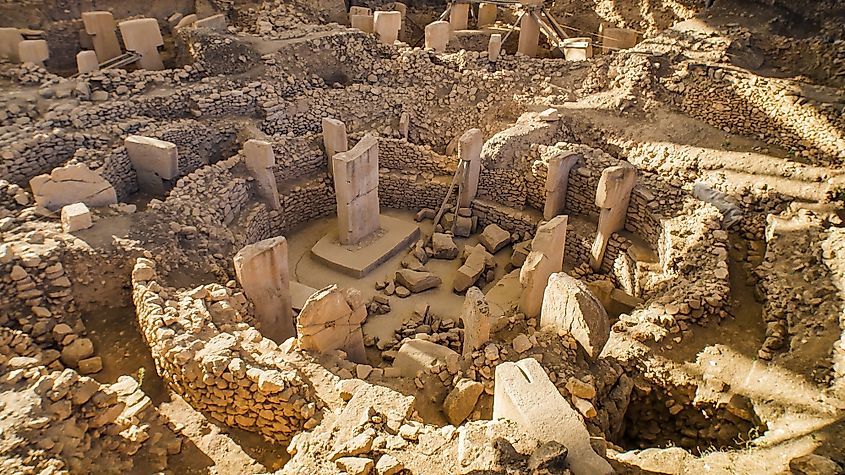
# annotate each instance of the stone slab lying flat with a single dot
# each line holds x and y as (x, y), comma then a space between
(360, 259)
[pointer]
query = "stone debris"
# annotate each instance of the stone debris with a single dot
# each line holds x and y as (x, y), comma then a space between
(417, 281)
(570, 306)
(494, 238)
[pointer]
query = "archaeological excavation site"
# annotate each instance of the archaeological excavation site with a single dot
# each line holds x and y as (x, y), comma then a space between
(436, 237)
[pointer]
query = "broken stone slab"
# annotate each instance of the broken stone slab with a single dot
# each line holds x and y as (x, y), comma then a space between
(461, 400)
(477, 320)
(569, 305)
(477, 261)
(524, 394)
(72, 184)
(262, 271)
(331, 319)
(494, 238)
(417, 281)
(417, 355)
(76, 217)
(444, 246)
(520, 253)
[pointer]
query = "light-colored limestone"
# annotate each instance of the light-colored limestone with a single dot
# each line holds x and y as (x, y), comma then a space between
(494, 47)
(72, 184)
(214, 22)
(419, 355)
(578, 49)
(557, 182)
(86, 61)
(187, 20)
(437, 35)
(154, 160)
(260, 161)
(10, 38)
(476, 317)
(494, 238)
(334, 139)
(364, 23)
(612, 195)
(331, 319)
(545, 258)
(469, 152)
(524, 394)
(569, 305)
(613, 39)
(75, 217)
(487, 14)
(33, 51)
(387, 25)
(459, 16)
(529, 36)
(262, 271)
(100, 27)
(143, 36)
(356, 189)
(461, 400)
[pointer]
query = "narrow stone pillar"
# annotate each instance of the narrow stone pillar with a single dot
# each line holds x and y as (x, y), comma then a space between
(334, 139)
(557, 182)
(404, 124)
(262, 271)
(459, 16)
(545, 258)
(469, 150)
(612, 195)
(529, 36)
(494, 47)
(143, 36)
(354, 10)
(487, 14)
(476, 317)
(569, 305)
(524, 394)
(356, 190)
(437, 35)
(100, 27)
(362, 22)
(387, 25)
(331, 319)
(10, 38)
(260, 161)
(86, 61)
(33, 51)
(154, 160)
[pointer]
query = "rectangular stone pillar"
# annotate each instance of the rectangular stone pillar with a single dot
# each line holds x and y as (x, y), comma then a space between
(260, 161)
(154, 160)
(545, 258)
(143, 36)
(557, 182)
(437, 35)
(469, 151)
(262, 271)
(353, 10)
(494, 47)
(578, 49)
(33, 51)
(334, 139)
(613, 39)
(486, 14)
(10, 38)
(100, 27)
(477, 321)
(524, 394)
(362, 22)
(356, 189)
(529, 35)
(387, 25)
(459, 16)
(86, 61)
(612, 195)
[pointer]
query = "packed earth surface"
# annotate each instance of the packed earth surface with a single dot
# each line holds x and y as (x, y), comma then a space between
(373, 237)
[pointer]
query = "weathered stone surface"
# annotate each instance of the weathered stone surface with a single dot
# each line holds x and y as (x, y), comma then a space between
(76, 217)
(72, 184)
(479, 259)
(418, 355)
(494, 238)
(444, 246)
(262, 270)
(476, 317)
(416, 281)
(331, 319)
(77, 350)
(570, 306)
(461, 400)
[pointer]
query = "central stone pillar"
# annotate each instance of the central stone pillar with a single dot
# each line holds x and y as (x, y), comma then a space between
(100, 26)
(437, 35)
(459, 16)
(356, 189)
(262, 271)
(529, 35)
(612, 196)
(143, 36)
(387, 26)
(334, 139)
(469, 150)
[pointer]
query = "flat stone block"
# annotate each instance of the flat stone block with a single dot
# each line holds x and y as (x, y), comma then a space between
(360, 259)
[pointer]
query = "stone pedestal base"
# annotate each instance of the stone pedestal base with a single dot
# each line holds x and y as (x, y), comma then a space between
(360, 259)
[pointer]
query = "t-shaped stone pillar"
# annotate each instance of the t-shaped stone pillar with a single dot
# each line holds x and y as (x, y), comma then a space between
(9, 40)
(260, 161)
(33, 51)
(469, 151)
(100, 26)
(262, 270)
(557, 182)
(487, 14)
(143, 36)
(476, 317)
(437, 35)
(334, 139)
(459, 16)
(387, 25)
(356, 189)
(154, 160)
(612, 195)
(545, 258)
(86, 61)
(529, 35)
(524, 394)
